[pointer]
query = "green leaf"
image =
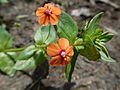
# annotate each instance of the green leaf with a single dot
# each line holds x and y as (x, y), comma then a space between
(106, 58)
(91, 33)
(104, 53)
(67, 27)
(25, 64)
(70, 67)
(5, 39)
(51, 37)
(27, 53)
(96, 34)
(94, 31)
(39, 57)
(93, 24)
(45, 35)
(106, 36)
(89, 51)
(6, 64)
(79, 44)
(3, 1)
(94, 39)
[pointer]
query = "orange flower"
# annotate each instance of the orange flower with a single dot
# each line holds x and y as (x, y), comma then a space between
(48, 14)
(60, 52)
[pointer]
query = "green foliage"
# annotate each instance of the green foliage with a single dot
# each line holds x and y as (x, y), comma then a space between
(105, 37)
(89, 51)
(79, 44)
(90, 45)
(25, 60)
(93, 25)
(27, 53)
(103, 52)
(34, 55)
(106, 57)
(6, 58)
(93, 36)
(24, 64)
(3, 1)
(67, 27)
(44, 35)
(90, 32)
(5, 39)
(7, 63)
(39, 57)
(70, 67)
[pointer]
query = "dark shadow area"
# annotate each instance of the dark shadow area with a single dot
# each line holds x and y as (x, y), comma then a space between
(40, 73)
(40, 86)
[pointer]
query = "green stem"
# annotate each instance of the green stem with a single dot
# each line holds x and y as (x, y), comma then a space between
(41, 46)
(70, 67)
(55, 27)
(13, 50)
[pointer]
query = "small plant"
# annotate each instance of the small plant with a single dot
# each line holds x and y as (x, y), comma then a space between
(57, 41)
(4, 1)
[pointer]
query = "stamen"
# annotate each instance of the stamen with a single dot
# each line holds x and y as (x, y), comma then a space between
(63, 54)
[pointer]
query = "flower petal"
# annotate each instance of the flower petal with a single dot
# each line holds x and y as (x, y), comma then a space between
(63, 43)
(54, 19)
(53, 49)
(55, 10)
(66, 60)
(56, 61)
(40, 11)
(44, 20)
(48, 6)
(70, 51)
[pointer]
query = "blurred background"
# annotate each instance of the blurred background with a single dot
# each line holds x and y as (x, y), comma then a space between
(21, 21)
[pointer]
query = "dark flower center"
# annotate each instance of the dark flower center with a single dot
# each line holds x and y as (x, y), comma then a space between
(48, 12)
(63, 54)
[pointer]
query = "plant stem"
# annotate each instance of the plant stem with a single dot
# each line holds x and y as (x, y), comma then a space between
(70, 67)
(13, 50)
(55, 27)
(26, 73)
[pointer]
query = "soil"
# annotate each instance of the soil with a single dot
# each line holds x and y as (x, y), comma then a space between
(21, 22)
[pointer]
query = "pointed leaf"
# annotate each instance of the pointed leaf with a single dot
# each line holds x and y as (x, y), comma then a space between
(6, 64)
(104, 53)
(93, 24)
(106, 58)
(25, 64)
(5, 39)
(67, 27)
(27, 53)
(105, 37)
(45, 35)
(89, 51)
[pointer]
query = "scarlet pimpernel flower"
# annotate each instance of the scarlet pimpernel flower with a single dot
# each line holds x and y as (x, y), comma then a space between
(48, 14)
(60, 52)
